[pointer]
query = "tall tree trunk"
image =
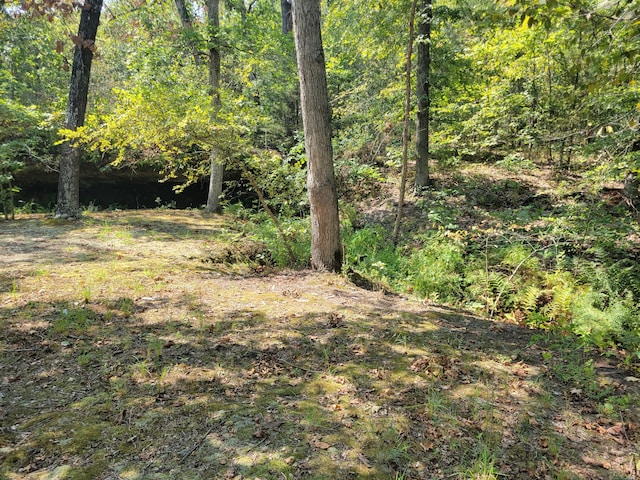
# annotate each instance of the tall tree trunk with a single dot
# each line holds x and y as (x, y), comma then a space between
(187, 25)
(405, 129)
(287, 20)
(291, 118)
(326, 249)
(69, 177)
(423, 72)
(217, 166)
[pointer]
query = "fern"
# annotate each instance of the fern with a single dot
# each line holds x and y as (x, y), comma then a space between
(601, 326)
(528, 299)
(559, 309)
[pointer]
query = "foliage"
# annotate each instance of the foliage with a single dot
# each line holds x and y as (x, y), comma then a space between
(31, 86)
(434, 267)
(31, 70)
(24, 135)
(282, 180)
(371, 252)
(574, 276)
(525, 85)
(296, 232)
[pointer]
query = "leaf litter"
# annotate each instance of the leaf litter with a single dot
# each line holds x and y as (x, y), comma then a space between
(127, 352)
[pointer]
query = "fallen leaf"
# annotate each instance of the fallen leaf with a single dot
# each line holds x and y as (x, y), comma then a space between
(319, 444)
(595, 462)
(427, 446)
(273, 425)
(365, 461)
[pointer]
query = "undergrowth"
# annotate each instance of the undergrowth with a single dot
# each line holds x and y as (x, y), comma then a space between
(555, 264)
(511, 278)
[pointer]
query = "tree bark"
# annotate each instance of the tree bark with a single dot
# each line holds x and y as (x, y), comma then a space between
(187, 25)
(326, 249)
(423, 60)
(69, 177)
(217, 166)
(631, 190)
(287, 20)
(405, 129)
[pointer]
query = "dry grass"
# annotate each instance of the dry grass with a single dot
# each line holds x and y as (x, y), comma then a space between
(126, 353)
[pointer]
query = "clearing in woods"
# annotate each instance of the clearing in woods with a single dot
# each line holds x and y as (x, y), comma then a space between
(153, 345)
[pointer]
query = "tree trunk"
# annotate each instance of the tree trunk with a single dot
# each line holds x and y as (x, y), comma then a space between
(287, 21)
(631, 190)
(217, 167)
(326, 249)
(405, 128)
(423, 179)
(291, 117)
(69, 178)
(187, 25)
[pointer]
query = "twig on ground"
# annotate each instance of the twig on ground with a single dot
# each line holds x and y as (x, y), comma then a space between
(254, 446)
(196, 446)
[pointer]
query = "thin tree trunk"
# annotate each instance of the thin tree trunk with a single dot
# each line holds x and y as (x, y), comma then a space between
(69, 174)
(405, 132)
(217, 166)
(631, 190)
(187, 25)
(291, 117)
(326, 249)
(423, 179)
(287, 21)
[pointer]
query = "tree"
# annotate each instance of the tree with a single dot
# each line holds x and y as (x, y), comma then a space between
(187, 25)
(423, 69)
(405, 129)
(326, 249)
(69, 175)
(217, 167)
(287, 25)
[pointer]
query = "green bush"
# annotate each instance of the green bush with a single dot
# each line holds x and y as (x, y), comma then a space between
(22, 136)
(297, 232)
(371, 253)
(435, 269)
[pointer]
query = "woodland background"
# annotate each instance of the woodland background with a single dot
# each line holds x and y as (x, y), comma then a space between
(534, 143)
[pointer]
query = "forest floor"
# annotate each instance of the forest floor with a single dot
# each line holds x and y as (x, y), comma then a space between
(140, 345)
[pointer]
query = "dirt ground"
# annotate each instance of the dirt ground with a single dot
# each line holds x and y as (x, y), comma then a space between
(154, 345)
